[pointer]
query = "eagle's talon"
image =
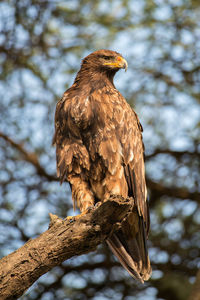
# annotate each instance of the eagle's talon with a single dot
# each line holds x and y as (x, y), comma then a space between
(89, 209)
(97, 205)
(86, 211)
(70, 219)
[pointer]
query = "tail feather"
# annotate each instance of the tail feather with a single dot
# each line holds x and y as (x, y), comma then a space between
(125, 259)
(129, 245)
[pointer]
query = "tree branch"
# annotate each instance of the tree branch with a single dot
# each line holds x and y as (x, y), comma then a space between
(64, 239)
(182, 193)
(176, 154)
(30, 157)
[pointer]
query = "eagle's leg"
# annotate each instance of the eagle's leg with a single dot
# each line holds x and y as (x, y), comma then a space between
(115, 184)
(82, 195)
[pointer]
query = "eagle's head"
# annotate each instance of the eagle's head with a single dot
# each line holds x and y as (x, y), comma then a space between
(105, 60)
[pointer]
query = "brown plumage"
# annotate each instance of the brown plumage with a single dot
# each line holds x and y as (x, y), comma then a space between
(99, 151)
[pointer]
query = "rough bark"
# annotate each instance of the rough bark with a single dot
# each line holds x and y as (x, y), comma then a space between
(64, 239)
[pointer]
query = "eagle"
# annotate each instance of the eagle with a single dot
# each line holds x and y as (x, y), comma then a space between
(100, 152)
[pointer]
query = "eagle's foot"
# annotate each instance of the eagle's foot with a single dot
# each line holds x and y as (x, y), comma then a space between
(97, 204)
(83, 213)
(70, 219)
(92, 207)
(114, 197)
(86, 211)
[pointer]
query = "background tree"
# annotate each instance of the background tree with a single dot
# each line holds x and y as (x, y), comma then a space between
(41, 44)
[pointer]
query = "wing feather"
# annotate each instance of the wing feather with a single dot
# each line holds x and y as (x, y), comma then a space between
(72, 113)
(129, 243)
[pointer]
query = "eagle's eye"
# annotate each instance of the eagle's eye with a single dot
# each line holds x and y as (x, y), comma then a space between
(107, 57)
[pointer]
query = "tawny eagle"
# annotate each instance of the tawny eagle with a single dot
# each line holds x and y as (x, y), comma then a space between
(100, 152)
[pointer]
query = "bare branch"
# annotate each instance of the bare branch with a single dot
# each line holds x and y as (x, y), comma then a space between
(182, 193)
(30, 157)
(64, 239)
(177, 154)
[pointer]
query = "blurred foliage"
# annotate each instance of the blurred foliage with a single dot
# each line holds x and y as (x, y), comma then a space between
(41, 44)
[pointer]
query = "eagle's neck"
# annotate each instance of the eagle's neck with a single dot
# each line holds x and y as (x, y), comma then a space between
(94, 78)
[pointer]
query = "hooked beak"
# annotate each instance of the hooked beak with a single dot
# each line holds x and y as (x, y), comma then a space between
(120, 63)
(124, 64)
